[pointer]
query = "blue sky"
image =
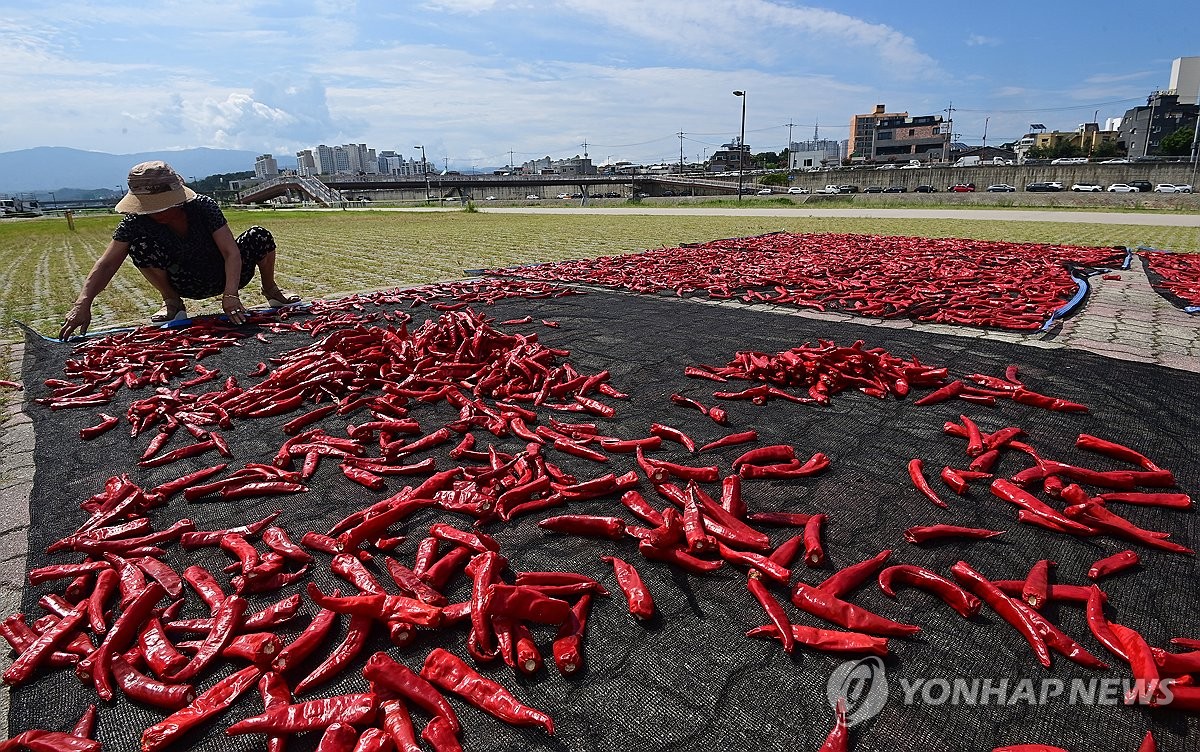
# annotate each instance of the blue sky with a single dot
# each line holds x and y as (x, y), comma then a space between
(473, 79)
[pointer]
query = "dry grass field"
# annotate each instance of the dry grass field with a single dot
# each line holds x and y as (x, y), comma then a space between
(327, 253)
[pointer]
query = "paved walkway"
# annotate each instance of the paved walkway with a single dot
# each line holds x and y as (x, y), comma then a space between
(1165, 219)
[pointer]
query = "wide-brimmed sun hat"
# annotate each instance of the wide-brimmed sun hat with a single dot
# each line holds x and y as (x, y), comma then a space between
(153, 187)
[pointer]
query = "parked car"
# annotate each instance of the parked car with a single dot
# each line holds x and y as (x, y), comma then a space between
(489, 198)
(764, 192)
(895, 189)
(533, 197)
(873, 189)
(795, 189)
(1185, 188)
(1043, 186)
(1087, 187)
(1118, 160)
(925, 189)
(847, 189)
(962, 188)
(828, 189)
(913, 164)
(1166, 188)
(1001, 188)
(1069, 160)
(888, 166)
(1122, 188)
(1142, 185)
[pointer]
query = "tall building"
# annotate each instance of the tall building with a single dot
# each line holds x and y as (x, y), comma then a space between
(266, 167)
(1185, 79)
(306, 163)
(883, 136)
(1144, 128)
(326, 165)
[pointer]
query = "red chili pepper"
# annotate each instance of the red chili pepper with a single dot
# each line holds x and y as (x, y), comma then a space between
(1114, 450)
(1036, 590)
(673, 434)
(838, 739)
(141, 688)
(568, 645)
(954, 480)
(355, 708)
(1059, 641)
(1141, 663)
(452, 674)
(24, 666)
(160, 654)
(341, 656)
(1167, 500)
(1004, 606)
(827, 640)
(908, 574)
(917, 473)
(774, 610)
(440, 736)
(379, 607)
(612, 528)
(826, 606)
(942, 394)
(766, 455)
(814, 554)
(226, 621)
(478, 542)
(1110, 565)
(849, 578)
(637, 596)
(929, 533)
(383, 670)
(351, 569)
(122, 634)
(85, 727)
(397, 722)
(106, 423)
(732, 439)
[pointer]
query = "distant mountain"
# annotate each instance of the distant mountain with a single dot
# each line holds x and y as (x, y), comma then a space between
(54, 168)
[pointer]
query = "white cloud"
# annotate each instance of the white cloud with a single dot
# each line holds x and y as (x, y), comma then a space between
(724, 28)
(978, 40)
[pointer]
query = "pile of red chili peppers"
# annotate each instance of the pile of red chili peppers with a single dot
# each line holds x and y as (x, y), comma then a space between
(947, 280)
(364, 379)
(1179, 274)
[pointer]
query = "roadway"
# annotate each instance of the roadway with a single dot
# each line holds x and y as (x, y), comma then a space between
(1165, 219)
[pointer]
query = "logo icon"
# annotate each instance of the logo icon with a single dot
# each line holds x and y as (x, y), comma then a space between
(863, 685)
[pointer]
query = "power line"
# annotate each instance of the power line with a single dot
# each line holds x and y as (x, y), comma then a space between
(1094, 105)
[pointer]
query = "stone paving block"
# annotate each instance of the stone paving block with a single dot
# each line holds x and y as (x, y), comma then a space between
(14, 505)
(18, 435)
(1044, 344)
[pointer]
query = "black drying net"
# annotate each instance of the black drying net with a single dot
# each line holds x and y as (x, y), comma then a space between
(690, 679)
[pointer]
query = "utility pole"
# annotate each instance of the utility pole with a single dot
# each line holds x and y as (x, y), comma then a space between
(985, 125)
(510, 162)
(1149, 126)
(681, 153)
(741, 144)
(949, 131)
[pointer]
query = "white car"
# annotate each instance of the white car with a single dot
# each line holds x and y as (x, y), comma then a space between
(797, 190)
(489, 198)
(1087, 187)
(911, 166)
(1121, 188)
(764, 192)
(1185, 188)
(533, 197)
(1069, 160)
(1167, 188)
(888, 166)
(1118, 160)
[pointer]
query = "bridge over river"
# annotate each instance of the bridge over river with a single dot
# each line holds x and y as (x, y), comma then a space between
(337, 190)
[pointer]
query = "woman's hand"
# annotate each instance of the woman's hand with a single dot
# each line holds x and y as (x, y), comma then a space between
(234, 308)
(79, 317)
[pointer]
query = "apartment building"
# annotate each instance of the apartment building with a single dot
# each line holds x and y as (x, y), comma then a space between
(883, 136)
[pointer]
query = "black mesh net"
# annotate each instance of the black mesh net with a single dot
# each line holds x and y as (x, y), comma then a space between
(691, 679)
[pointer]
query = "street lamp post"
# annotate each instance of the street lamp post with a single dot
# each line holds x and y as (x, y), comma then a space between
(741, 144)
(424, 170)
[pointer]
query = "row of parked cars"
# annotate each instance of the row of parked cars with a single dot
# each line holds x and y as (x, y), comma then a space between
(1133, 186)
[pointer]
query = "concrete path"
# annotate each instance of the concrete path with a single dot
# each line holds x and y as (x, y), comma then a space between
(1001, 215)
(1165, 219)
